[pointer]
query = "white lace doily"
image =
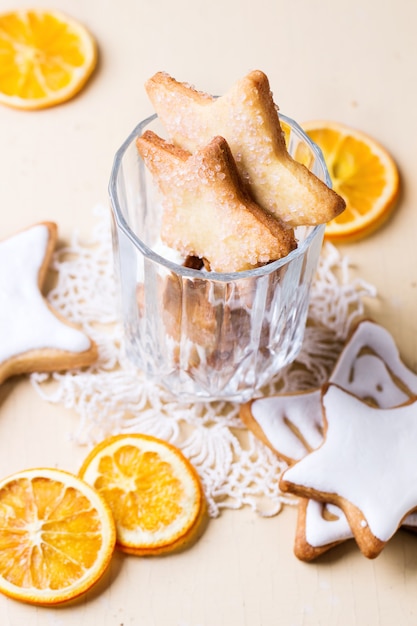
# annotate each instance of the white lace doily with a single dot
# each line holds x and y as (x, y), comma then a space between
(112, 396)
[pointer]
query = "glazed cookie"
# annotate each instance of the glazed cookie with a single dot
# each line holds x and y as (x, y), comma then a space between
(290, 423)
(369, 367)
(33, 336)
(365, 465)
(247, 118)
(322, 526)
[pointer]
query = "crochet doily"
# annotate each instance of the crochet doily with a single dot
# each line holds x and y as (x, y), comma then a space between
(112, 396)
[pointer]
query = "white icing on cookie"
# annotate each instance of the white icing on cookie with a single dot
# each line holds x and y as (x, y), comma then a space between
(367, 375)
(411, 520)
(319, 531)
(365, 379)
(303, 410)
(26, 322)
(367, 458)
(370, 379)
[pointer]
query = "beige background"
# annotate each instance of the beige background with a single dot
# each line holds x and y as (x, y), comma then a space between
(353, 62)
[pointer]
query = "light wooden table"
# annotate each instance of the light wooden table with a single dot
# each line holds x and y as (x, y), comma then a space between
(353, 62)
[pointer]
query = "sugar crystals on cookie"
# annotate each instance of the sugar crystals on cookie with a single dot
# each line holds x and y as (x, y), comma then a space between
(247, 118)
(207, 213)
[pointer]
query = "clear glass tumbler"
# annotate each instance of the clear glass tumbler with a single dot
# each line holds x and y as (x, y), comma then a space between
(204, 335)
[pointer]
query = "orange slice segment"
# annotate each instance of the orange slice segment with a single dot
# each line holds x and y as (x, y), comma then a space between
(46, 57)
(57, 536)
(153, 490)
(363, 173)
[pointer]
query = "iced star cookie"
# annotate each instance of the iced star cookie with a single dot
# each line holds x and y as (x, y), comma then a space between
(322, 526)
(207, 213)
(366, 466)
(247, 118)
(33, 337)
(369, 367)
(291, 424)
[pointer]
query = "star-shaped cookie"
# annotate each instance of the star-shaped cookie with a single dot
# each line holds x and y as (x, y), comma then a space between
(322, 526)
(207, 213)
(366, 466)
(247, 118)
(33, 337)
(369, 367)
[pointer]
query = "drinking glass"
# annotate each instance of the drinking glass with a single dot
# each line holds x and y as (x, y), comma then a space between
(206, 336)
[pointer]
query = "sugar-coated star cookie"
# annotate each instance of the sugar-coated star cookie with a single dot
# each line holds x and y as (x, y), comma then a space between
(207, 213)
(366, 465)
(33, 337)
(369, 366)
(247, 118)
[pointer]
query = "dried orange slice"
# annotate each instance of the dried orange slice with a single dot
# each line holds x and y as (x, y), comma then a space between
(363, 173)
(46, 57)
(57, 536)
(153, 490)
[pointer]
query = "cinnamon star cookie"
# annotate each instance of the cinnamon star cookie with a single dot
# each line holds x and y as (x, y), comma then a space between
(369, 367)
(366, 466)
(33, 337)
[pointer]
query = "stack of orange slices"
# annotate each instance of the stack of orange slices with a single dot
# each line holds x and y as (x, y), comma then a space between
(363, 173)
(58, 531)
